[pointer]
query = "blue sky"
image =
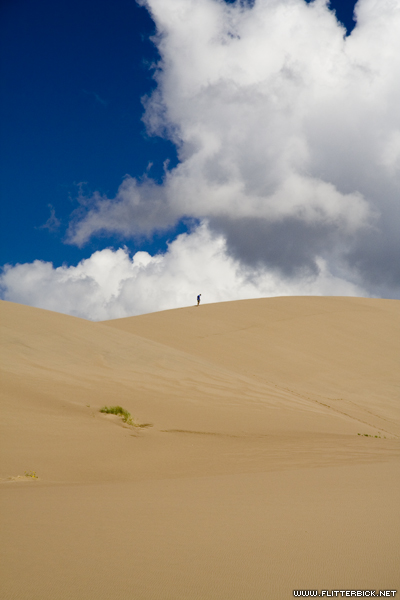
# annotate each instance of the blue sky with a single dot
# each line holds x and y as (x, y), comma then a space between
(74, 74)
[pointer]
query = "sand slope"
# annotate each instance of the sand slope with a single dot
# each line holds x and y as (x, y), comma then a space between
(339, 350)
(251, 482)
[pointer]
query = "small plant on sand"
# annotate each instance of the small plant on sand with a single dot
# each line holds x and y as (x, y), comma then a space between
(117, 410)
(126, 416)
(31, 474)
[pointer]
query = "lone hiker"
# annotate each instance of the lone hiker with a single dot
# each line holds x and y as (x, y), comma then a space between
(198, 299)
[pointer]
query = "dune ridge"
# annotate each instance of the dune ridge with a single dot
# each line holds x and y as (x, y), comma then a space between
(337, 350)
(270, 419)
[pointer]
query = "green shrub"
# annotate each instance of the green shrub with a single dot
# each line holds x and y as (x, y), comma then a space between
(117, 410)
(126, 416)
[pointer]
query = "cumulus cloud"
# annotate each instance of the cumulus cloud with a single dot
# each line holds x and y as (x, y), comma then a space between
(111, 284)
(288, 138)
(288, 135)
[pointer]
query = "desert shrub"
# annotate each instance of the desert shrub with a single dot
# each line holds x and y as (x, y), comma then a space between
(126, 416)
(117, 410)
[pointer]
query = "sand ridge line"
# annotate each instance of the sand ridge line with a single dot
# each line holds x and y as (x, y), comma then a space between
(365, 410)
(228, 435)
(341, 412)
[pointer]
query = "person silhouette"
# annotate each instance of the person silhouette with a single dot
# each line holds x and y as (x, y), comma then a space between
(198, 299)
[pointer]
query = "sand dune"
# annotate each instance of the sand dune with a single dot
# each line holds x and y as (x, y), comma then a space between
(271, 463)
(339, 350)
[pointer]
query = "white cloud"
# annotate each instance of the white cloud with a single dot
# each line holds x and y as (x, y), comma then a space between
(110, 284)
(288, 135)
(278, 118)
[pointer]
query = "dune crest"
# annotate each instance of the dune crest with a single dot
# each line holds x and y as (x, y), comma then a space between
(342, 352)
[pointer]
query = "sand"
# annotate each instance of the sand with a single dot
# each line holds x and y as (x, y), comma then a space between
(271, 463)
